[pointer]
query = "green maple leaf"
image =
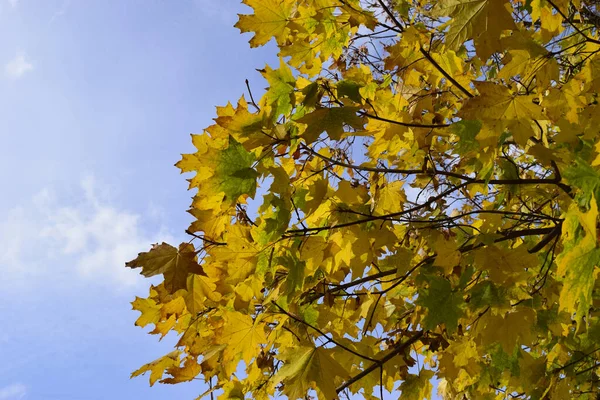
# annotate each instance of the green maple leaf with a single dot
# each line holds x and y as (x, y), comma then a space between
(234, 173)
(281, 88)
(349, 89)
(486, 294)
(579, 259)
(295, 277)
(467, 131)
(275, 221)
(586, 178)
(417, 387)
(443, 305)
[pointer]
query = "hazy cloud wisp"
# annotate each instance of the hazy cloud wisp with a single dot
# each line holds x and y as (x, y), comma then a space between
(89, 237)
(18, 66)
(13, 392)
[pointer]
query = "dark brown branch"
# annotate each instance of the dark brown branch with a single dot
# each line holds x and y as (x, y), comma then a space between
(423, 205)
(383, 170)
(588, 369)
(446, 74)
(533, 181)
(243, 212)
(391, 121)
(506, 236)
(360, 281)
(391, 15)
(512, 235)
(322, 333)
(407, 124)
(555, 370)
(547, 239)
(531, 215)
(399, 349)
(204, 239)
(586, 37)
(379, 217)
(404, 277)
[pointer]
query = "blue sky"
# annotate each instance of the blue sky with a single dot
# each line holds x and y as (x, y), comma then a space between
(98, 99)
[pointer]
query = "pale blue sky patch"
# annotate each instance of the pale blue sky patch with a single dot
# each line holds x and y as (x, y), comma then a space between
(14, 391)
(18, 66)
(97, 105)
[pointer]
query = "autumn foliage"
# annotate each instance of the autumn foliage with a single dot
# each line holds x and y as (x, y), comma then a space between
(413, 202)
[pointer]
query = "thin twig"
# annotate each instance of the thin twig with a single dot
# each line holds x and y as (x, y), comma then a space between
(204, 239)
(252, 97)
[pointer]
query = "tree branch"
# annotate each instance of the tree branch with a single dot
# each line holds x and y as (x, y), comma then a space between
(586, 37)
(430, 201)
(292, 316)
(446, 74)
(391, 15)
(533, 181)
(204, 239)
(399, 349)
(465, 249)
(407, 124)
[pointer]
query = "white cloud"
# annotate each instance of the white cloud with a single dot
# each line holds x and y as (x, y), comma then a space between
(13, 3)
(18, 66)
(90, 238)
(13, 392)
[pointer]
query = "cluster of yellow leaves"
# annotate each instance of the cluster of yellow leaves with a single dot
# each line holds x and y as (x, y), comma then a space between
(413, 197)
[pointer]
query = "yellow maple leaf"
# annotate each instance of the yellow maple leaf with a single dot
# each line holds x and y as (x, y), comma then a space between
(269, 20)
(447, 253)
(243, 337)
(158, 366)
(390, 198)
(497, 102)
(503, 109)
(200, 289)
(310, 368)
(578, 264)
(505, 265)
(482, 20)
(186, 373)
(417, 387)
(508, 330)
(175, 264)
(149, 309)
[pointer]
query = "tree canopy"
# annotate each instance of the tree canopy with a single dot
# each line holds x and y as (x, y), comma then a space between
(413, 202)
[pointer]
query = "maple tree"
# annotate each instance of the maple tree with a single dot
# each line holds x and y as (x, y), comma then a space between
(414, 198)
